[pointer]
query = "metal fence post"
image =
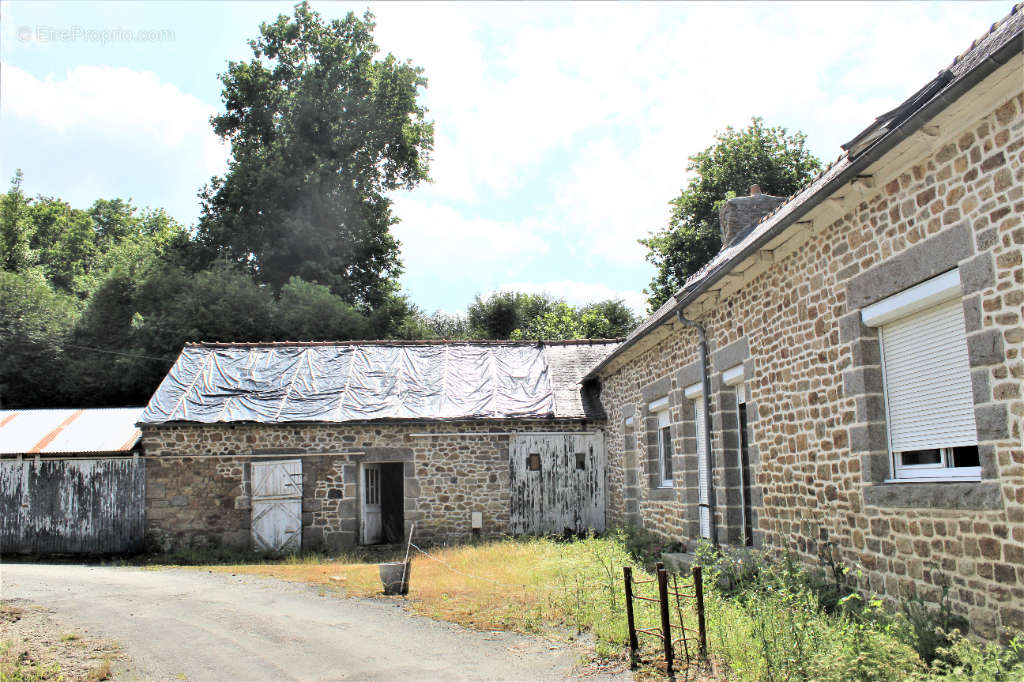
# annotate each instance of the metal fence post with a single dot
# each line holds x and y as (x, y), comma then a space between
(698, 590)
(666, 624)
(627, 576)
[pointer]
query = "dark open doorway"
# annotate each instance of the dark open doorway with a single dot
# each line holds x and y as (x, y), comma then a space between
(392, 497)
(383, 513)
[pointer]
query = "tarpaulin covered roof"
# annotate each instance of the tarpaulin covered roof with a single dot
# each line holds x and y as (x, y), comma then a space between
(68, 431)
(340, 382)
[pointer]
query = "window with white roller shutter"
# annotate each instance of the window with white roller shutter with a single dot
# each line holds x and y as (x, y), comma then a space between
(696, 394)
(927, 380)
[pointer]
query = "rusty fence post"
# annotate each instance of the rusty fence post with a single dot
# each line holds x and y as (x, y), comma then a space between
(627, 576)
(666, 624)
(698, 590)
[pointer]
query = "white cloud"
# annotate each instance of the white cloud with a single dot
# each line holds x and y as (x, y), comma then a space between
(445, 241)
(578, 293)
(101, 131)
(109, 101)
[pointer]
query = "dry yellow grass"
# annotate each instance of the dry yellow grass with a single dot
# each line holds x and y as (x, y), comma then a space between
(530, 586)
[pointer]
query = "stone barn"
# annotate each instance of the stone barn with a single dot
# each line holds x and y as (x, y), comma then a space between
(281, 447)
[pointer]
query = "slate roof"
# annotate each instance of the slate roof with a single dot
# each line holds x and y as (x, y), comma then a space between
(378, 380)
(68, 431)
(1002, 41)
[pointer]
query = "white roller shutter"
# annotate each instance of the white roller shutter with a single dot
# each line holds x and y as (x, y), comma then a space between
(704, 513)
(928, 380)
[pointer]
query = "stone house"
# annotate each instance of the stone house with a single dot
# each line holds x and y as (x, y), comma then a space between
(845, 374)
(328, 445)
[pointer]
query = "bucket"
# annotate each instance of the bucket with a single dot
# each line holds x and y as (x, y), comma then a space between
(395, 577)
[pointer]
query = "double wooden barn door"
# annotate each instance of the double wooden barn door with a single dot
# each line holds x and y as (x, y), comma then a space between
(277, 506)
(558, 483)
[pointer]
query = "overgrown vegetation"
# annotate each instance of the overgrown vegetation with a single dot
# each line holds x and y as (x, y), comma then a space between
(767, 619)
(774, 619)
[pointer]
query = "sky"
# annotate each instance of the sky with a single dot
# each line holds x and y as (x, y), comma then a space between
(562, 130)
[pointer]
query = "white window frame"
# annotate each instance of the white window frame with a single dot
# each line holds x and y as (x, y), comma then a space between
(943, 470)
(660, 408)
(923, 296)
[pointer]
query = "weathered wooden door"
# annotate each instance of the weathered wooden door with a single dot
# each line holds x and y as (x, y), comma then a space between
(277, 506)
(373, 527)
(72, 506)
(558, 483)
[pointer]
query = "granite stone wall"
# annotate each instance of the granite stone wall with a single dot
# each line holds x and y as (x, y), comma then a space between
(198, 487)
(813, 376)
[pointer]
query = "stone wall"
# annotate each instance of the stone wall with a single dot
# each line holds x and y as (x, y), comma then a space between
(813, 374)
(198, 488)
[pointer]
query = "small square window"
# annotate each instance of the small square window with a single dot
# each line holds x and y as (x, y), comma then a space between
(581, 461)
(934, 463)
(533, 461)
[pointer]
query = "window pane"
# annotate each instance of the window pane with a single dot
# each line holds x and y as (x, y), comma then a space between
(581, 461)
(666, 454)
(966, 456)
(917, 457)
(533, 461)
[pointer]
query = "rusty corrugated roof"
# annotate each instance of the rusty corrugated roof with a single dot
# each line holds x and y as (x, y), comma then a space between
(68, 430)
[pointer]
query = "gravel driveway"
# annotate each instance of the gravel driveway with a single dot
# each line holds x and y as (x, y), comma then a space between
(181, 623)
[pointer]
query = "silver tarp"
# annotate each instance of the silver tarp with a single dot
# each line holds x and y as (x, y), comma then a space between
(353, 383)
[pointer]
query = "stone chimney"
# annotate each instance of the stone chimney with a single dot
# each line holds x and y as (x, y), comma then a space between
(736, 215)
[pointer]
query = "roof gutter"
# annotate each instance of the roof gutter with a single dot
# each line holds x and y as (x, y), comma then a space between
(900, 133)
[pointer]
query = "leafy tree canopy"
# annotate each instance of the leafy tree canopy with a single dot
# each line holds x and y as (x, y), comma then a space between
(320, 130)
(757, 154)
(520, 316)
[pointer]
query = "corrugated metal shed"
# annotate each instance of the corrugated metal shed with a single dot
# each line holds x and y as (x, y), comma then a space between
(68, 430)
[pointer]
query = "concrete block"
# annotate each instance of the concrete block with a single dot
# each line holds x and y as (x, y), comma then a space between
(730, 355)
(972, 313)
(991, 420)
(852, 327)
(923, 261)
(657, 389)
(871, 408)
(688, 375)
(985, 348)
(977, 274)
(945, 495)
(862, 380)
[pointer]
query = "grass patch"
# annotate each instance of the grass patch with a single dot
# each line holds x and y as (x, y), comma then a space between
(104, 670)
(536, 585)
(15, 666)
(69, 637)
(767, 620)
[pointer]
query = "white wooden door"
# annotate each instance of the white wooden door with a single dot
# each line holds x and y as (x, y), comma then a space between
(277, 506)
(558, 483)
(373, 528)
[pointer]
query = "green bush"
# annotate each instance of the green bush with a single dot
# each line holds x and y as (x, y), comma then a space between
(964, 659)
(645, 546)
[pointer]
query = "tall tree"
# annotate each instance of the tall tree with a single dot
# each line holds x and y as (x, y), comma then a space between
(320, 131)
(15, 254)
(34, 323)
(757, 154)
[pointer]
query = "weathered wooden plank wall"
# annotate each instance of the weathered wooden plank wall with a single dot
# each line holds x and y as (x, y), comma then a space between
(561, 496)
(87, 506)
